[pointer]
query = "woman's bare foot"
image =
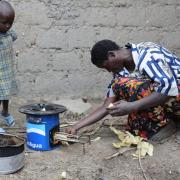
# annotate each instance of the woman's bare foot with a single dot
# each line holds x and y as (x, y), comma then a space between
(176, 120)
(178, 136)
(178, 133)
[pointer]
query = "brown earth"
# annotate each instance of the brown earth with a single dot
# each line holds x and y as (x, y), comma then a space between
(91, 165)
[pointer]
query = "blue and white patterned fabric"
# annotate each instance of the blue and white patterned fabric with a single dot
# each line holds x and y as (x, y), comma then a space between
(156, 63)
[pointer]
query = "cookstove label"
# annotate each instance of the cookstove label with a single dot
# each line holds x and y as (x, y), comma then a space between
(38, 129)
(38, 146)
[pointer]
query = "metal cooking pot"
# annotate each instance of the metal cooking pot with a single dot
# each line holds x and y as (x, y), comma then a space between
(11, 153)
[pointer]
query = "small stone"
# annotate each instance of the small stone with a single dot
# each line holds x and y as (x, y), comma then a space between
(174, 148)
(178, 170)
(63, 175)
(85, 99)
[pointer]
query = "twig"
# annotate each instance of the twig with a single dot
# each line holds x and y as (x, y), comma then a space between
(112, 123)
(61, 136)
(28, 151)
(84, 151)
(121, 151)
(13, 128)
(66, 137)
(14, 135)
(90, 133)
(140, 164)
(66, 124)
(89, 139)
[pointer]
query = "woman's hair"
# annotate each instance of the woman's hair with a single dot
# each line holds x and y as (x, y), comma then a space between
(99, 52)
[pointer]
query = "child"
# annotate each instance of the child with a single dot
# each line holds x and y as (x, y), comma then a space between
(7, 37)
(146, 79)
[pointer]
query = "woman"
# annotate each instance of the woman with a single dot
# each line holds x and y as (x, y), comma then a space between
(146, 81)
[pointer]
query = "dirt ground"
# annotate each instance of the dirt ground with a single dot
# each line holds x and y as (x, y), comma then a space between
(91, 165)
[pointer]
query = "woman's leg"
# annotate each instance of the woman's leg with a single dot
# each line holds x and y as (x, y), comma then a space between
(144, 123)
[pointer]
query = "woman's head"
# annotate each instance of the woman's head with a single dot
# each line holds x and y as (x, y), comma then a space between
(108, 55)
(7, 15)
(99, 52)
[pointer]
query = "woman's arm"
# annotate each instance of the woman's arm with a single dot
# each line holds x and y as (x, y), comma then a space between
(95, 116)
(122, 107)
(155, 99)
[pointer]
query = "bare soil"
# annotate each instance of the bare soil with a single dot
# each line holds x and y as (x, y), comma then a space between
(88, 163)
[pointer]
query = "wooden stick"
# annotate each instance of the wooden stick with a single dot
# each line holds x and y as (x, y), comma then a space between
(140, 164)
(121, 151)
(84, 151)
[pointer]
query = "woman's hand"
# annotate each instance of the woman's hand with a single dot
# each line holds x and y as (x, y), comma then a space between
(71, 130)
(121, 108)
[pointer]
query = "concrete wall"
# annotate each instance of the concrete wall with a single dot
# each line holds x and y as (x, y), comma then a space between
(55, 37)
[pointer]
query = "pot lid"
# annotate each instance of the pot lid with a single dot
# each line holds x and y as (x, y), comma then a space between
(42, 109)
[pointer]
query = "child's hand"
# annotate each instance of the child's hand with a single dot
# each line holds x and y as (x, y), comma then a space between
(120, 108)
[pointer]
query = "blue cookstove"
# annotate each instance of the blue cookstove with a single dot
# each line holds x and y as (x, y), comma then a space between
(42, 123)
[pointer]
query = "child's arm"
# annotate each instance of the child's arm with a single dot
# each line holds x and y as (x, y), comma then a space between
(13, 34)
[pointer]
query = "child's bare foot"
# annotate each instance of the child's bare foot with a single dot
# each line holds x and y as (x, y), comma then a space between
(8, 119)
(2, 130)
(165, 132)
